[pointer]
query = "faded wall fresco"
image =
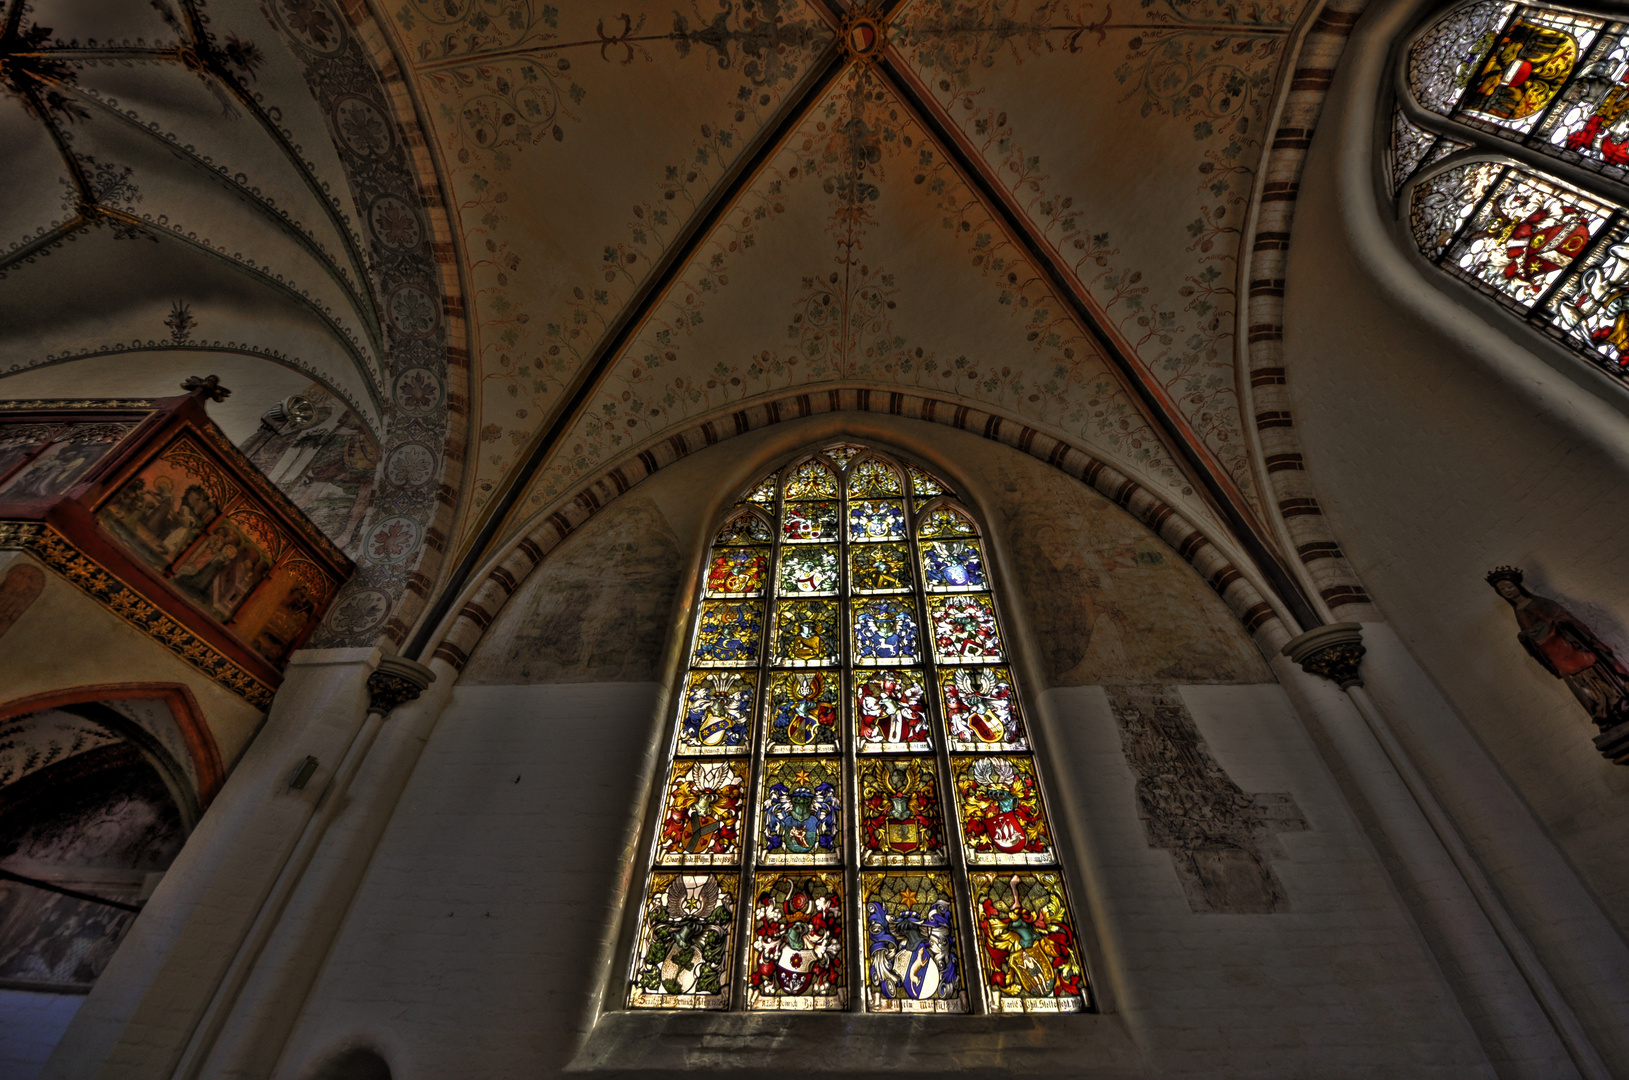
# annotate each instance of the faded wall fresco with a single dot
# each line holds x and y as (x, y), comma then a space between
(326, 467)
(597, 611)
(1108, 600)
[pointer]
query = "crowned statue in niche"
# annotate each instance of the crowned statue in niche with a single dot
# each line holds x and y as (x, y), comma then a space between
(1568, 649)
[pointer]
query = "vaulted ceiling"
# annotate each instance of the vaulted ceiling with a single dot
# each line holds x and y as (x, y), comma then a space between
(1033, 207)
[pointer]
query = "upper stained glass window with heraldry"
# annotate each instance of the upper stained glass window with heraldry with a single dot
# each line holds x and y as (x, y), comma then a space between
(850, 813)
(1512, 143)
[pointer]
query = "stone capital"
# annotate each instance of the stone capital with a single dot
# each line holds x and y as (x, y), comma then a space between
(1332, 652)
(396, 681)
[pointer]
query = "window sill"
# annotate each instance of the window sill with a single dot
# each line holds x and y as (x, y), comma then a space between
(1039, 1045)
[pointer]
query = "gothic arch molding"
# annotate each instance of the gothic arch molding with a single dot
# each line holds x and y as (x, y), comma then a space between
(1245, 597)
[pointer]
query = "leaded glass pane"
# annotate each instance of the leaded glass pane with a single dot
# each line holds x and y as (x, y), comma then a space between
(1027, 944)
(876, 519)
(806, 633)
(801, 812)
(876, 568)
(1527, 232)
(808, 571)
(701, 820)
(964, 629)
(913, 962)
(1409, 146)
(885, 632)
(999, 804)
(822, 769)
(809, 522)
(812, 480)
(1590, 120)
(744, 528)
(900, 820)
(803, 711)
(1441, 63)
(738, 572)
(892, 711)
(981, 709)
(728, 633)
(717, 711)
(684, 955)
(1527, 67)
(1593, 307)
(953, 565)
(1442, 203)
(797, 943)
(874, 477)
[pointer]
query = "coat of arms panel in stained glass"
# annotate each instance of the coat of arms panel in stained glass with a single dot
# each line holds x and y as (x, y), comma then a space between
(806, 633)
(1027, 944)
(809, 570)
(885, 631)
(728, 632)
(803, 711)
(737, 572)
(801, 813)
(701, 816)
(1593, 306)
(797, 943)
(876, 519)
(943, 521)
(981, 709)
(809, 522)
(913, 963)
(964, 629)
(891, 711)
(1442, 62)
(744, 528)
(953, 565)
(1527, 233)
(811, 480)
(999, 804)
(874, 568)
(900, 820)
(1592, 119)
(873, 478)
(716, 712)
(684, 955)
(1527, 67)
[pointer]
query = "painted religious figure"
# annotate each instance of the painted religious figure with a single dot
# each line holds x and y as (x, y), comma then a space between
(683, 960)
(1567, 649)
(797, 943)
(912, 963)
(219, 572)
(158, 513)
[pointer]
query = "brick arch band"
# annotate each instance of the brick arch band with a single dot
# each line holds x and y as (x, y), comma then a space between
(1263, 386)
(1259, 618)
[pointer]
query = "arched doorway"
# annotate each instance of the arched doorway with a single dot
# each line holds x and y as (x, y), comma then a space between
(99, 789)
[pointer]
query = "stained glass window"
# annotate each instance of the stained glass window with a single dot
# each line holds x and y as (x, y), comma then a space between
(1499, 94)
(850, 754)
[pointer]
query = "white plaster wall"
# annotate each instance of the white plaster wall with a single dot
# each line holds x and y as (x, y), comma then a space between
(469, 946)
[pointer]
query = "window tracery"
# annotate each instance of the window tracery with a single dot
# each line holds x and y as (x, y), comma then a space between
(1510, 150)
(851, 816)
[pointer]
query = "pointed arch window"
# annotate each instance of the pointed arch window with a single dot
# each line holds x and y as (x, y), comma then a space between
(850, 813)
(1510, 150)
